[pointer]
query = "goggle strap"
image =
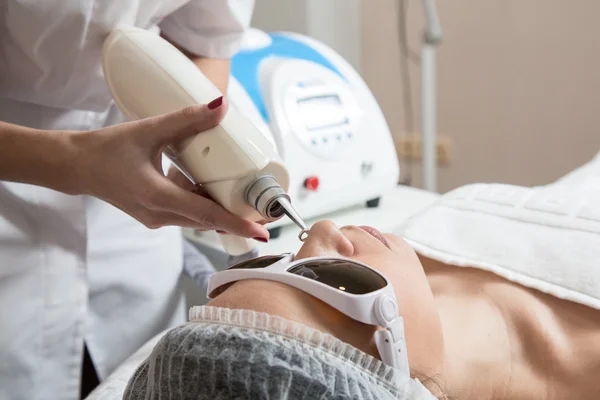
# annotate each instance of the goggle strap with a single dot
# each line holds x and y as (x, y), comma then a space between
(391, 345)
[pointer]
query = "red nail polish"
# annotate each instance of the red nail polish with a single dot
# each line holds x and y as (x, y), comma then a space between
(260, 239)
(215, 103)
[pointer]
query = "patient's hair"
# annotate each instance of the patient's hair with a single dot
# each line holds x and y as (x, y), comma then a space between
(263, 357)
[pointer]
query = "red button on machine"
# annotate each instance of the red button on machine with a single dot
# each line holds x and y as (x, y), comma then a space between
(311, 183)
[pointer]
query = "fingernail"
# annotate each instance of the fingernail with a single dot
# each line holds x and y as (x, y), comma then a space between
(261, 239)
(223, 232)
(215, 103)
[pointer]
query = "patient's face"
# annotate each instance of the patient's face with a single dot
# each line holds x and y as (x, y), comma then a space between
(390, 255)
(395, 259)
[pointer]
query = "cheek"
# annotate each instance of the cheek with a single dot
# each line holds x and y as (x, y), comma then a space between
(411, 287)
(410, 282)
(417, 306)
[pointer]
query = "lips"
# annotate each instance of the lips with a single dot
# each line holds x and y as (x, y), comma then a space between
(375, 233)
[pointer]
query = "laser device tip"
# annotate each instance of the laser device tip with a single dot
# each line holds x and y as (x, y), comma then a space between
(292, 214)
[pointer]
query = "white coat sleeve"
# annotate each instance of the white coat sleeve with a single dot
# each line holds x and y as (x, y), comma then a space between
(209, 28)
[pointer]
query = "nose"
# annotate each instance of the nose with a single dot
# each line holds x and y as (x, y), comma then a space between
(325, 239)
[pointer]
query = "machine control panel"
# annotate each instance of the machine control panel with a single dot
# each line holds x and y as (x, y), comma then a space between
(322, 112)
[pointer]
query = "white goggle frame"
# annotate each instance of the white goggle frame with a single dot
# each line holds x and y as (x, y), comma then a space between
(378, 308)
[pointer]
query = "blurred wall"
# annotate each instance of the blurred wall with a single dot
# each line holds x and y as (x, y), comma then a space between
(518, 84)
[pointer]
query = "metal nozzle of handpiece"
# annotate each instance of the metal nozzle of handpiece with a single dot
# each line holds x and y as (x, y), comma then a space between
(293, 215)
(271, 201)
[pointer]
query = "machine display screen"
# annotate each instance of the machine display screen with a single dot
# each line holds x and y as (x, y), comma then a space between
(322, 112)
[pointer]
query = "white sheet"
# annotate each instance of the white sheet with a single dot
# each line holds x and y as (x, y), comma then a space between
(546, 238)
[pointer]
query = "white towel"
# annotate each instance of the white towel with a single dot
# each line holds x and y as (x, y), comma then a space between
(546, 238)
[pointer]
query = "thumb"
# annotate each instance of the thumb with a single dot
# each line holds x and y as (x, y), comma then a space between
(178, 125)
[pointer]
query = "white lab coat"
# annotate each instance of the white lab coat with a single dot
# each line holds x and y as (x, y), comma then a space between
(73, 268)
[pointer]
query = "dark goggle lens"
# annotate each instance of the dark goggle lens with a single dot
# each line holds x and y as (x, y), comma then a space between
(260, 262)
(338, 274)
(341, 275)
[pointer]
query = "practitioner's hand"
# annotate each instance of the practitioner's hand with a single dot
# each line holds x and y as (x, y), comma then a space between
(122, 165)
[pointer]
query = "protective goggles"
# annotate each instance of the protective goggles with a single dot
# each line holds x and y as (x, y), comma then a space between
(353, 288)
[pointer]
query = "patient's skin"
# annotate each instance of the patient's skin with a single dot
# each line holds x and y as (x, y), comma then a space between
(478, 335)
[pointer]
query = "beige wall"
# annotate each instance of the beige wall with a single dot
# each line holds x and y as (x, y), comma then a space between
(518, 84)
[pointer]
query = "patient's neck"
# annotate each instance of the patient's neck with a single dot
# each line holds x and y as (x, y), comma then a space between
(477, 347)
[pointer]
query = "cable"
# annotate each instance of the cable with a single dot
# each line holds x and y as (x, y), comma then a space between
(406, 53)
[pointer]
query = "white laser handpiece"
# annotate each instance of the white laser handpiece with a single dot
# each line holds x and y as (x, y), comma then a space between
(234, 161)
